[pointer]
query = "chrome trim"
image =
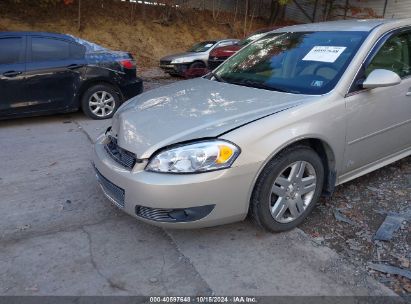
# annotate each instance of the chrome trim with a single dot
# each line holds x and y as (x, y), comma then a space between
(379, 132)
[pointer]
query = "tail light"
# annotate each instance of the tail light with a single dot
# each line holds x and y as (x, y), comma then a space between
(128, 64)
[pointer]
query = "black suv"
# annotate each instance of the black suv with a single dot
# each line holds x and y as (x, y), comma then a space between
(44, 73)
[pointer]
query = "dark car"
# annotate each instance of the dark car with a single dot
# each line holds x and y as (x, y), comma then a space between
(220, 54)
(45, 73)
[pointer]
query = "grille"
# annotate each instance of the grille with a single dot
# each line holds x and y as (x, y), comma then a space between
(155, 214)
(121, 156)
(174, 215)
(113, 192)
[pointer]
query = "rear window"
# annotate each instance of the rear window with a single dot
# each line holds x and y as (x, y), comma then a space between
(49, 49)
(77, 51)
(11, 50)
(90, 47)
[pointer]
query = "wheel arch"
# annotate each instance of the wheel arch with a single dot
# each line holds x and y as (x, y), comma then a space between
(96, 81)
(324, 151)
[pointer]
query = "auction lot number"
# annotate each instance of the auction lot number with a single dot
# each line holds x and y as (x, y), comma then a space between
(206, 299)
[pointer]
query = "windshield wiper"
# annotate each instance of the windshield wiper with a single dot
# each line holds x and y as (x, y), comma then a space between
(259, 85)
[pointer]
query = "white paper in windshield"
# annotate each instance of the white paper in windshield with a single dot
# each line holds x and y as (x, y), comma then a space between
(208, 45)
(324, 53)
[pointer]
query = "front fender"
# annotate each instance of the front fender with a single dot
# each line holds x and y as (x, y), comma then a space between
(260, 141)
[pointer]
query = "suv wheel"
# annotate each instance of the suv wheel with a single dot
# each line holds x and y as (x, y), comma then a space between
(288, 189)
(100, 102)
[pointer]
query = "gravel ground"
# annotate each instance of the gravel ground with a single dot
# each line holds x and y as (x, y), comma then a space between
(363, 204)
(154, 78)
(347, 222)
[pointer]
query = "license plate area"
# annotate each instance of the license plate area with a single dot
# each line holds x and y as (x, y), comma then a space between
(113, 192)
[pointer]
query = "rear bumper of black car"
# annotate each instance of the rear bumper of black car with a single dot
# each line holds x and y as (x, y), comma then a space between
(131, 88)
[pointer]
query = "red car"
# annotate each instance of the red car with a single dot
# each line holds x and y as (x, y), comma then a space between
(220, 54)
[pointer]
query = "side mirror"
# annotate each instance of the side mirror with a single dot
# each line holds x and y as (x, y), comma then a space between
(381, 78)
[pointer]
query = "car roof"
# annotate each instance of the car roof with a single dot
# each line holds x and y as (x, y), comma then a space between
(265, 30)
(48, 34)
(229, 39)
(358, 25)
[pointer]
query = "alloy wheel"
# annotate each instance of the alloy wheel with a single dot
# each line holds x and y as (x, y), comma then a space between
(292, 191)
(102, 103)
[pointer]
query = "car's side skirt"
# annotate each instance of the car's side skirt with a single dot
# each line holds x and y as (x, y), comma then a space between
(374, 166)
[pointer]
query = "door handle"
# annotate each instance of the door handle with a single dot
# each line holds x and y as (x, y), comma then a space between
(74, 66)
(11, 74)
(408, 93)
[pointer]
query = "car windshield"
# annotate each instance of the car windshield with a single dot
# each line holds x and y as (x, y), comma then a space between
(202, 46)
(298, 62)
(250, 39)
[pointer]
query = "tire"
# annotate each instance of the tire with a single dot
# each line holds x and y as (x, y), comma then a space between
(95, 107)
(281, 202)
(197, 65)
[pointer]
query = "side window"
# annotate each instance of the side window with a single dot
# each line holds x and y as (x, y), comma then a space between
(48, 49)
(77, 51)
(394, 55)
(11, 50)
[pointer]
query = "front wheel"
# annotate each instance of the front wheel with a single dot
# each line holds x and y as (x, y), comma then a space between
(100, 102)
(288, 189)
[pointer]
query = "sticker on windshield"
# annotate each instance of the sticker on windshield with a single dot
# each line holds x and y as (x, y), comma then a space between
(324, 53)
(317, 83)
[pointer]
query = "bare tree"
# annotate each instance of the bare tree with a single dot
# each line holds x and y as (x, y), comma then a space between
(252, 17)
(79, 15)
(277, 10)
(235, 11)
(245, 17)
(216, 9)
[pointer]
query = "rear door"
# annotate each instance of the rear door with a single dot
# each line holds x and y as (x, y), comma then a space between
(53, 70)
(12, 69)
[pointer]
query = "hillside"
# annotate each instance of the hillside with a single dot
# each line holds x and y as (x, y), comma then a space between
(118, 25)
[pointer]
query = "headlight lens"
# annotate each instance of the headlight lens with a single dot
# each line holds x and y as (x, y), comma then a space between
(179, 60)
(198, 157)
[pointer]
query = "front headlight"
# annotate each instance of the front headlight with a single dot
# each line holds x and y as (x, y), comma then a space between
(197, 157)
(179, 60)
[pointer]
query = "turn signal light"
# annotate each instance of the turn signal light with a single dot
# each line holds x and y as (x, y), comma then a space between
(225, 154)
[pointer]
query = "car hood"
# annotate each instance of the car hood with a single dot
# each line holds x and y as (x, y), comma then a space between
(181, 55)
(192, 109)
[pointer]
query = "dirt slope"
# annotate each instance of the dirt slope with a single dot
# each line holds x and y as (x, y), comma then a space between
(119, 25)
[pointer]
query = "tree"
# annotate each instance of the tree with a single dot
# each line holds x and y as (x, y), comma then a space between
(43, 3)
(276, 10)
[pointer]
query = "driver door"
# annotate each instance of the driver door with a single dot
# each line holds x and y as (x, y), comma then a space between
(379, 120)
